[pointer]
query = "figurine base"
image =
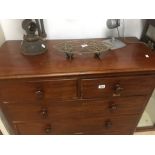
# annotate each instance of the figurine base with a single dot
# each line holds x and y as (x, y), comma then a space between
(115, 43)
(34, 48)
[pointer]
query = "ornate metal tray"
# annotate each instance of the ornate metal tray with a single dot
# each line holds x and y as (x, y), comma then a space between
(72, 47)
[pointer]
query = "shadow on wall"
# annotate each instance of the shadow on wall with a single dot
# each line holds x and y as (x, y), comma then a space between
(2, 38)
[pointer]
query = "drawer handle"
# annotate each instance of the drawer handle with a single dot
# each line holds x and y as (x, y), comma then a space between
(44, 113)
(48, 129)
(108, 124)
(39, 94)
(113, 107)
(117, 90)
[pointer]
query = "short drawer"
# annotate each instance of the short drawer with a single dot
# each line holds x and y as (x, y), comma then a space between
(21, 91)
(76, 109)
(116, 86)
(107, 125)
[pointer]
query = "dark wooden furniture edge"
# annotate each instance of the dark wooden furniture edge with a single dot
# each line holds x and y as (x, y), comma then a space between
(80, 74)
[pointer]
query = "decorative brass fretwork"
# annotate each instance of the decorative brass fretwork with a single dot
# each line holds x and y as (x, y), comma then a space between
(71, 47)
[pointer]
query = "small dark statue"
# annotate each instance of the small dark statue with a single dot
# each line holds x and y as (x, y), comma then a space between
(34, 42)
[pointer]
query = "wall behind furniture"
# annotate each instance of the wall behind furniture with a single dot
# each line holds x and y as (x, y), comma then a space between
(2, 39)
(68, 28)
(150, 109)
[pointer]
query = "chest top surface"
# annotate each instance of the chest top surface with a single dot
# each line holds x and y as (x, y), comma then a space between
(131, 58)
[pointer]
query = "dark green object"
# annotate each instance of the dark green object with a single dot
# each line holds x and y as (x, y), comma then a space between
(34, 41)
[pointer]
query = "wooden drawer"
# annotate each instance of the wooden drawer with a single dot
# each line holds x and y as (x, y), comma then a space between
(75, 110)
(116, 86)
(38, 90)
(107, 125)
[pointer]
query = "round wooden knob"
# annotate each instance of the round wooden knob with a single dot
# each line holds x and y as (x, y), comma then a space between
(39, 94)
(48, 129)
(117, 90)
(108, 124)
(113, 107)
(118, 87)
(44, 113)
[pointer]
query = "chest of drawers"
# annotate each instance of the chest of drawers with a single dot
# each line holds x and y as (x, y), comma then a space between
(48, 94)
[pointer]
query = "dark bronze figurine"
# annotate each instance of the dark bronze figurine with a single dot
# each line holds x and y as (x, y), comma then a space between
(34, 41)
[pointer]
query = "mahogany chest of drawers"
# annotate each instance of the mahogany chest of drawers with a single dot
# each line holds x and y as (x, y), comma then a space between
(48, 94)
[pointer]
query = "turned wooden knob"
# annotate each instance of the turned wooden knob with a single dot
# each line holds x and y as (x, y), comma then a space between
(48, 129)
(117, 90)
(113, 107)
(39, 93)
(44, 112)
(108, 124)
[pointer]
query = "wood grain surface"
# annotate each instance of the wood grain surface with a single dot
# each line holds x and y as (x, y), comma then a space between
(14, 64)
(48, 94)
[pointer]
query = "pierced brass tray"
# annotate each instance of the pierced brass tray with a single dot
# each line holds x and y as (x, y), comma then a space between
(71, 47)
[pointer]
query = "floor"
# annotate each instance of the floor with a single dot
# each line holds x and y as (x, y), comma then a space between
(145, 133)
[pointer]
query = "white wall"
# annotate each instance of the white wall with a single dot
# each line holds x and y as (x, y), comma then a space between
(2, 39)
(151, 107)
(68, 28)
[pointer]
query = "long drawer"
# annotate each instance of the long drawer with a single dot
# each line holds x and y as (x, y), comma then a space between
(106, 125)
(75, 109)
(116, 86)
(21, 91)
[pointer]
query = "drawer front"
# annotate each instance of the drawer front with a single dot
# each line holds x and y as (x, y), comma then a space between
(76, 110)
(107, 125)
(36, 91)
(116, 86)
